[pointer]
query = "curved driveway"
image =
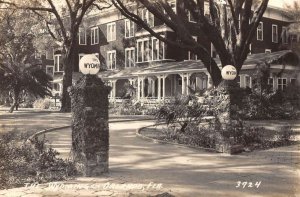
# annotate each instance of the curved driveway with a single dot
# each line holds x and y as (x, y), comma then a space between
(189, 172)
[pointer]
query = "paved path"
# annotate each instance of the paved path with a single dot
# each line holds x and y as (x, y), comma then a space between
(181, 171)
(33, 120)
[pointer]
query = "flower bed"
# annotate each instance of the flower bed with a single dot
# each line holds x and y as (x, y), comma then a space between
(204, 136)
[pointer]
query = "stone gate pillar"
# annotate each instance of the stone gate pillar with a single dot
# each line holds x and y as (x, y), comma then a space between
(90, 132)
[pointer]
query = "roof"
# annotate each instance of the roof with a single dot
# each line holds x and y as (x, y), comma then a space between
(125, 73)
(285, 57)
(171, 67)
(280, 57)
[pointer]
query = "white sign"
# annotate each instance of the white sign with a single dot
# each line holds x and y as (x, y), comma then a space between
(89, 64)
(229, 72)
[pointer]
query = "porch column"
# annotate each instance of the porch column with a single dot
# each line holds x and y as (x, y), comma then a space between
(131, 81)
(159, 88)
(275, 83)
(209, 81)
(183, 85)
(139, 88)
(188, 83)
(153, 87)
(164, 86)
(242, 81)
(113, 91)
(143, 87)
(60, 88)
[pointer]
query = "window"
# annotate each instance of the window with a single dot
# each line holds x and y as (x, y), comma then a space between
(49, 54)
(157, 49)
(293, 81)
(191, 18)
(192, 56)
(239, 80)
(111, 31)
(248, 81)
(129, 57)
(50, 70)
(206, 10)
(173, 6)
(271, 82)
(284, 35)
(275, 33)
(148, 17)
(111, 60)
(129, 28)
(94, 35)
(268, 51)
(56, 87)
(143, 50)
(281, 83)
(260, 31)
(147, 51)
(82, 36)
(140, 51)
(58, 66)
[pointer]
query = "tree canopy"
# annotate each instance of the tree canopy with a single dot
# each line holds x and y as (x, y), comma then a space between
(62, 19)
(20, 73)
(229, 25)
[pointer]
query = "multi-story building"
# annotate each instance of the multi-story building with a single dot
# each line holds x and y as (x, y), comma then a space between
(130, 55)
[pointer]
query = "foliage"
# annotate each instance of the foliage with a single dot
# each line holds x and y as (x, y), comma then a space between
(272, 105)
(294, 28)
(236, 132)
(128, 91)
(20, 74)
(42, 103)
(127, 107)
(182, 110)
(229, 30)
(62, 22)
(22, 162)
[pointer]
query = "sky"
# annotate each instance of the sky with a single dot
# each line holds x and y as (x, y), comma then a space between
(281, 3)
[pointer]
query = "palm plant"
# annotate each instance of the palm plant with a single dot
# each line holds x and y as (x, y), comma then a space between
(20, 80)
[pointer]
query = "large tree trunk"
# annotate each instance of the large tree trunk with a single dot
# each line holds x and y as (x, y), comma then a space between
(68, 61)
(16, 100)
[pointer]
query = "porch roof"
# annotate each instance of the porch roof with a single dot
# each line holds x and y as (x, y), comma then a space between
(173, 67)
(277, 58)
(125, 73)
(280, 57)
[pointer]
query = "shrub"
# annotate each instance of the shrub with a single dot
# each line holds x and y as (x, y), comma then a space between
(285, 135)
(183, 110)
(42, 103)
(23, 162)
